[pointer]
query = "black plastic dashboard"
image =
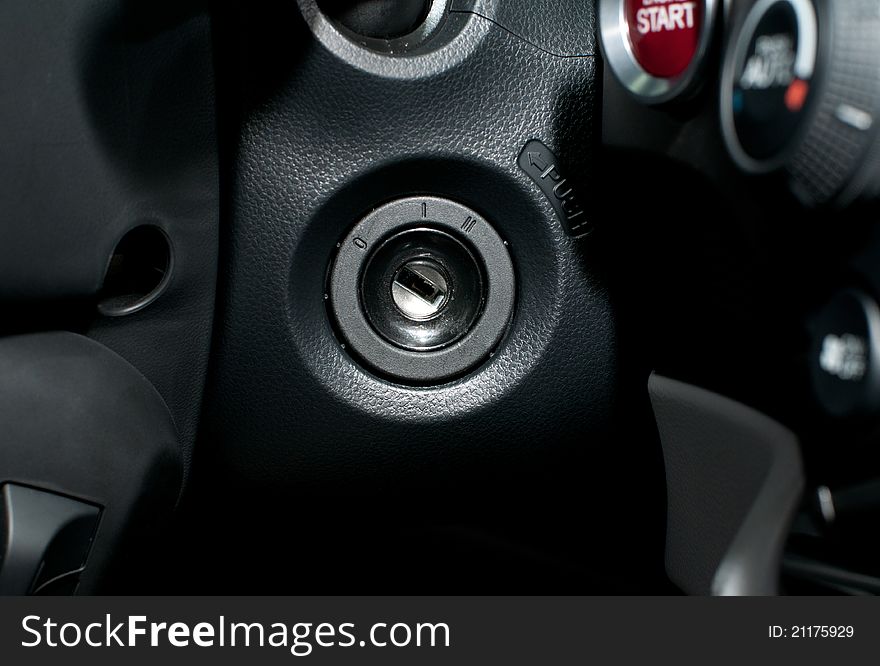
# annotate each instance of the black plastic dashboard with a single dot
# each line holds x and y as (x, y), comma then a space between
(194, 193)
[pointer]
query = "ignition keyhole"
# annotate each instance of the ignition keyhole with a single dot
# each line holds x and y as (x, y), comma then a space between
(420, 289)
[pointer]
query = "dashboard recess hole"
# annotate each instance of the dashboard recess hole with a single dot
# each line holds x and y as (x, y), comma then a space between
(137, 273)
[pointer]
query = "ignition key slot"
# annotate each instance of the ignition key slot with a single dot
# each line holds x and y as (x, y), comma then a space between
(422, 289)
(419, 289)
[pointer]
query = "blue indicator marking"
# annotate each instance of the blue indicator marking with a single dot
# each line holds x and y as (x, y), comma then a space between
(737, 101)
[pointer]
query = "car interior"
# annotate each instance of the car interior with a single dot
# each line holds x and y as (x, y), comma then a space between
(439, 297)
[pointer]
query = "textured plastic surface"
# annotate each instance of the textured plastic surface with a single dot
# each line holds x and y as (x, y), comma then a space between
(560, 28)
(839, 157)
(543, 167)
(323, 141)
(80, 421)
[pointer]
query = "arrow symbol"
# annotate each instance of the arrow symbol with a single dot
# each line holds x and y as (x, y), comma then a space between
(535, 161)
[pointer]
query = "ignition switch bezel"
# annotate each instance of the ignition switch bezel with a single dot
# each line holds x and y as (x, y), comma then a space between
(421, 366)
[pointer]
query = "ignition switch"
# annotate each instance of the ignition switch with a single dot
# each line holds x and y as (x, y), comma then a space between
(422, 289)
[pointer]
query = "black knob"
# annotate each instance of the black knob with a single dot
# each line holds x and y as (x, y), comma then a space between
(801, 93)
(844, 363)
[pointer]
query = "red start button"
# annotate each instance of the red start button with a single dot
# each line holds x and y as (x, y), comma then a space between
(664, 34)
